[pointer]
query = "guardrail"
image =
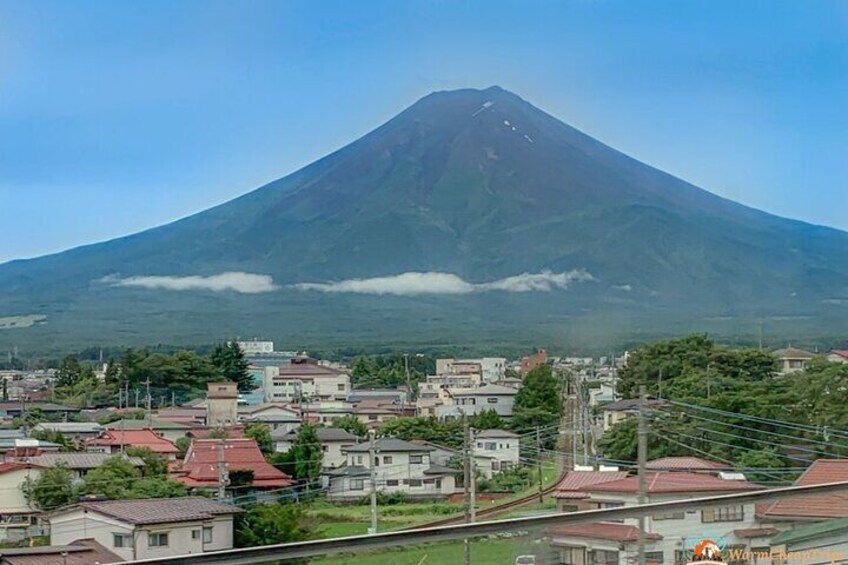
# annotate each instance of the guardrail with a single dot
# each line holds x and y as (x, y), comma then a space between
(262, 554)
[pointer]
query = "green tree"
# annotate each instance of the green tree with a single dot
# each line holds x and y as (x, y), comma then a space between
(487, 420)
(53, 488)
(352, 425)
(539, 400)
(155, 464)
(448, 433)
(262, 434)
(307, 453)
(183, 444)
(64, 442)
(762, 460)
(266, 524)
(229, 360)
(113, 479)
(69, 372)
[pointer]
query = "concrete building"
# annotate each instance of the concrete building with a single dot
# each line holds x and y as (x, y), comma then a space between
(148, 528)
(221, 404)
(304, 380)
(475, 400)
(497, 449)
(18, 520)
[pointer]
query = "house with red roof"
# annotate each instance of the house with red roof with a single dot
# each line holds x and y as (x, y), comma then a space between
(791, 511)
(201, 467)
(691, 464)
(18, 520)
(838, 356)
(115, 441)
(670, 534)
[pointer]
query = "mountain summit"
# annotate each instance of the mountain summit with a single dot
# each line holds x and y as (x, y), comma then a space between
(471, 211)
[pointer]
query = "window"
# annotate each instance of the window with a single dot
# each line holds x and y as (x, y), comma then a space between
(207, 535)
(415, 482)
(734, 513)
(571, 556)
(372, 417)
(416, 459)
(387, 459)
(480, 444)
(376, 461)
(491, 446)
(429, 481)
(157, 539)
(359, 459)
(670, 516)
(341, 387)
(438, 483)
(121, 540)
(605, 557)
(357, 484)
(492, 400)
(495, 465)
(654, 556)
(195, 535)
(392, 483)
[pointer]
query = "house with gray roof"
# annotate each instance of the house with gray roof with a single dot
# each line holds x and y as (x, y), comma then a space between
(147, 528)
(399, 466)
(333, 441)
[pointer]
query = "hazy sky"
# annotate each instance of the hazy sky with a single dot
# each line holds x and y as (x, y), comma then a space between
(118, 116)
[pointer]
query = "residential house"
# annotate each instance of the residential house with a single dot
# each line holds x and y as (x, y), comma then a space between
(172, 431)
(374, 412)
(276, 415)
(786, 513)
(201, 467)
(75, 431)
(115, 441)
(400, 395)
(13, 443)
(620, 410)
(672, 534)
(305, 380)
(189, 415)
(791, 360)
(78, 552)
(604, 543)
(18, 520)
(818, 542)
(333, 441)
(687, 463)
(147, 528)
(79, 463)
(569, 492)
(324, 412)
(441, 455)
(399, 466)
(838, 356)
(472, 401)
(497, 450)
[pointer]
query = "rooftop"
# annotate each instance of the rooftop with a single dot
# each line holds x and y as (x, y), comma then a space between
(138, 438)
(685, 464)
(79, 552)
(603, 530)
(200, 467)
(810, 532)
(156, 510)
(575, 480)
(78, 460)
(388, 444)
(495, 433)
(661, 482)
(486, 390)
(793, 353)
(324, 434)
(835, 505)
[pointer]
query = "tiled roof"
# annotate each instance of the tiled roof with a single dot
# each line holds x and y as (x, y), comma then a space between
(495, 433)
(157, 510)
(603, 530)
(349, 471)
(308, 370)
(793, 353)
(434, 445)
(9, 466)
(755, 532)
(137, 438)
(575, 480)
(840, 352)
(79, 552)
(139, 424)
(660, 482)
(810, 532)
(833, 505)
(685, 464)
(388, 444)
(79, 460)
(324, 434)
(200, 467)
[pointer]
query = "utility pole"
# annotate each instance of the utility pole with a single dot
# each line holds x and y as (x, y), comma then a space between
(149, 417)
(468, 454)
(642, 447)
(539, 461)
(584, 420)
(408, 379)
(371, 454)
(573, 434)
(136, 398)
(223, 474)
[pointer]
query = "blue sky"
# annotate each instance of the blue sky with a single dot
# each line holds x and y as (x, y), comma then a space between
(118, 116)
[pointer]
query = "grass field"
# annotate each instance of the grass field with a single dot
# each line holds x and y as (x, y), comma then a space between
(485, 552)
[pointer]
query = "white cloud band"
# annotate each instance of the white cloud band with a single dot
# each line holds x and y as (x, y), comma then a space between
(247, 283)
(414, 284)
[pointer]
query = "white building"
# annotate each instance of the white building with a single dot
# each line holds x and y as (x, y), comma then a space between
(276, 416)
(399, 466)
(333, 442)
(18, 520)
(256, 347)
(148, 528)
(489, 369)
(304, 380)
(792, 360)
(495, 451)
(476, 400)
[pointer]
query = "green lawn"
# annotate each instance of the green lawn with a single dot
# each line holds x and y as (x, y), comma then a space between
(487, 552)
(346, 520)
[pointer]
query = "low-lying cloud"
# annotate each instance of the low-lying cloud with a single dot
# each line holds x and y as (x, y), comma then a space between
(236, 281)
(415, 284)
